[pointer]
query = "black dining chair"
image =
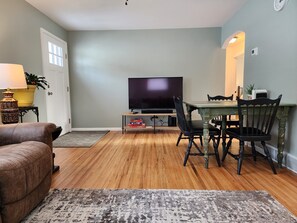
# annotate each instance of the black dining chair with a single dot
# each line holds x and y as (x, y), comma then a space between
(182, 136)
(256, 118)
(195, 129)
(217, 121)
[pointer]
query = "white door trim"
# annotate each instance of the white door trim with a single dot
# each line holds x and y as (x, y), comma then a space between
(66, 95)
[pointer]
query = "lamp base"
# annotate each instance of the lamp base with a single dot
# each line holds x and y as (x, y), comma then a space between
(9, 108)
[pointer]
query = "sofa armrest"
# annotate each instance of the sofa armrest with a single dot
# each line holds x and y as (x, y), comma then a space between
(21, 132)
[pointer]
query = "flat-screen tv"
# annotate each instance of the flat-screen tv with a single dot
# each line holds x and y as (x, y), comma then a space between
(154, 92)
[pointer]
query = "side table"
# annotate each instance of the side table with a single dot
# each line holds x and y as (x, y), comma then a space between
(24, 110)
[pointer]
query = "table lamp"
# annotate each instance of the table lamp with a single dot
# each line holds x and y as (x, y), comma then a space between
(12, 76)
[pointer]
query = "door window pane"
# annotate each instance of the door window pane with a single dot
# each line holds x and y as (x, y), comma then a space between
(55, 54)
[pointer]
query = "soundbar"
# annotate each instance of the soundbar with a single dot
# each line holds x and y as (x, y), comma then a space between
(155, 111)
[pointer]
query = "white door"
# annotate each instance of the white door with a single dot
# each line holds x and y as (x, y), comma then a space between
(55, 69)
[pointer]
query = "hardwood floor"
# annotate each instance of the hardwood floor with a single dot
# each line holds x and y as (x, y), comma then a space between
(152, 161)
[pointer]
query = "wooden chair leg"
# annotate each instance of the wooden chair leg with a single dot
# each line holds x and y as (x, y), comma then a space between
(197, 147)
(188, 149)
(268, 157)
(179, 138)
(225, 151)
(216, 151)
(240, 159)
(254, 152)
(230, 141)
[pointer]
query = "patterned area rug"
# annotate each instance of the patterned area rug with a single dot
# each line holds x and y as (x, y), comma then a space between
(78, 139)
(80, 205)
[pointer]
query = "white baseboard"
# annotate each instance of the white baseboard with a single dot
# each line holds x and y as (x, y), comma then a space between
(289, 161)
(97, 129)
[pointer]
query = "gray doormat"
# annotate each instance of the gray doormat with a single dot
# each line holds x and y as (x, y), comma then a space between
(102, 205)
(77, 139)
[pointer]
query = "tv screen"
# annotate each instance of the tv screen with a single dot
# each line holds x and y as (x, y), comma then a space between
(154, 92)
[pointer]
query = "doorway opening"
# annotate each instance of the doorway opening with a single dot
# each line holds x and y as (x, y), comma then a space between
(234, 73)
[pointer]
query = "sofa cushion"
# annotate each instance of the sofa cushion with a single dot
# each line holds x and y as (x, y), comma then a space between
(22, 171)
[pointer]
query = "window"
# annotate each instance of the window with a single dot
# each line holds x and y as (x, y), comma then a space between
(55, 54)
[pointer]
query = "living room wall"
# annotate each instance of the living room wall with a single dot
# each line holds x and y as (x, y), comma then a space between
(20, 43)
(101, 62)
(275, 68)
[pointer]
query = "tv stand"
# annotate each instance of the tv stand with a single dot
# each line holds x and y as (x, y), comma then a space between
(154, 111)
(153, 117)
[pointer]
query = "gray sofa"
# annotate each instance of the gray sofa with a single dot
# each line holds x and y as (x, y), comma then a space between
(26, 163)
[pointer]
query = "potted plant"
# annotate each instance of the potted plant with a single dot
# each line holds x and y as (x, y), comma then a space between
(25, 97)
(38, 81)
(249, 89)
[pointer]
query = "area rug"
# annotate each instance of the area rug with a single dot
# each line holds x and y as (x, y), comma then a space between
(78, 139)
(85, 205)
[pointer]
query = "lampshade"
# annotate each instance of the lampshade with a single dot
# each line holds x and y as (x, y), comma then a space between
(12, 76)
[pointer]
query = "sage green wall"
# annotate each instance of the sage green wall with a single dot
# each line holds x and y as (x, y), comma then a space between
(20, 43)
(275, 68)
(102, 61)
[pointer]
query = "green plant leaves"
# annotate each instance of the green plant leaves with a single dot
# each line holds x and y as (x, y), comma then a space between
(39, 81)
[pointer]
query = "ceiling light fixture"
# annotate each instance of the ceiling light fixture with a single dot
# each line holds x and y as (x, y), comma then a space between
(233, 40)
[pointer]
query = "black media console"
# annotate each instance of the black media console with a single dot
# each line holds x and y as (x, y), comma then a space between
(153, 116)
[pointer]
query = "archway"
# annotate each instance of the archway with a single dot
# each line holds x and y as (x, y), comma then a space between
(234, 72)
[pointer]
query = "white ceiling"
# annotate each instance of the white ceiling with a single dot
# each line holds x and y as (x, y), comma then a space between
(138, 14)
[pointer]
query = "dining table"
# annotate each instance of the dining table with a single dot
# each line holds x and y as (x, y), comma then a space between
(211, 109)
